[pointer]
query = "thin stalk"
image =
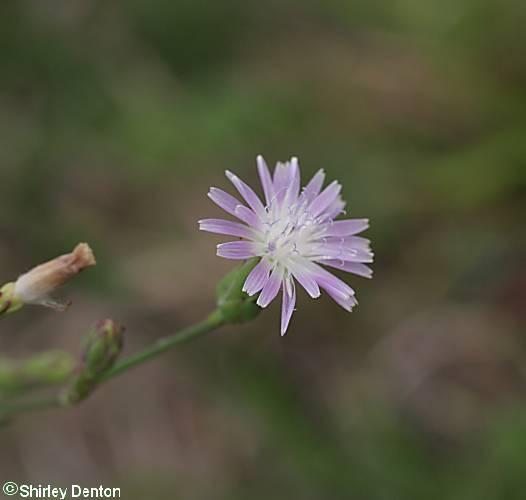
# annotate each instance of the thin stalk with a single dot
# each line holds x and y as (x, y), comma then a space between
(213, 322)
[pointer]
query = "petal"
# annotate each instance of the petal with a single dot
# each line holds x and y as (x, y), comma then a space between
(247, 215)
(350, 267)
(266, 179)
(280, 181)
(233, 206)
(336, 208)
(347, 227)
(224, 200)
(294, 180)
(313, 188)
(247, 193)
(347, 302)
(339, 251)
(350, 242)
(329, 282)
(305, 279)
(271, 288)
(257, 278)
(358, 243)
(236, 250)
(287, 182)
(221, 226)
(325, 199)
(288, 305)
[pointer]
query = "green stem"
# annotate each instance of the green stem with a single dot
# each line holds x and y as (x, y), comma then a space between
(213, 322)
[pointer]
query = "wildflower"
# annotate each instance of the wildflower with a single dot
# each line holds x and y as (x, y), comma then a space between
(294, 234)
(36, 286)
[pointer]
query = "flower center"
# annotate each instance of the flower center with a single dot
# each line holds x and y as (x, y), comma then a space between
(287, 232)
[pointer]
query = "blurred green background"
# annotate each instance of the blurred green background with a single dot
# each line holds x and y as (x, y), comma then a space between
(116, 117)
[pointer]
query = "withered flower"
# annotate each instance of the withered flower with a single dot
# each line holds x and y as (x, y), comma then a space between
(37, 285)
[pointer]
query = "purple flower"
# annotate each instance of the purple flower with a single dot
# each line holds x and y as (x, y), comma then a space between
(293, 234)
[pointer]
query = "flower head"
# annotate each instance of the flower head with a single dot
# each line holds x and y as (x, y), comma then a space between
(294, 234)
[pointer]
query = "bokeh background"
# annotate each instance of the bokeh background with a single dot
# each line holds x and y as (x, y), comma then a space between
(116, 118)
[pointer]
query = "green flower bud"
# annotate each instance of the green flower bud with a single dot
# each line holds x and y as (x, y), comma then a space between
(101, 348)
(234, 304)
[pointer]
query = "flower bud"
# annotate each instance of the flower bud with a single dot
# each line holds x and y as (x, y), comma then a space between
(102, 346)
(36, 286)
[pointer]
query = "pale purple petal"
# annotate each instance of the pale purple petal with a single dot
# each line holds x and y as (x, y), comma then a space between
(221, 226)
(294, 180)
(248, 216)
(328, 281)
(247, 193)
(266, 179)
(288, 305)
(367, 257)
(336, 208)
(339, 251)
(350, 267)
(271, 288)
(281, 181)
(347, 227)
(325, 199)
(358, 243)
(350, 242)
(313, 188)
(279, 175)
(347, 302)
(224, 200)
(257, 278)
(236, 250)
(305, 279)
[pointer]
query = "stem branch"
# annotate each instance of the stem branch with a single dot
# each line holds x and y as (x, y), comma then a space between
(213, 322)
